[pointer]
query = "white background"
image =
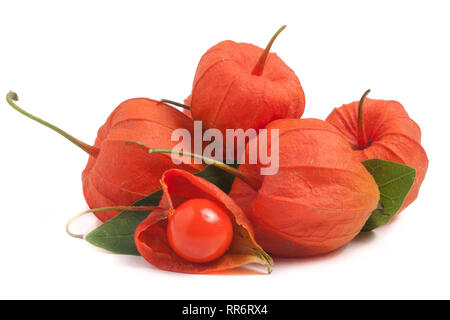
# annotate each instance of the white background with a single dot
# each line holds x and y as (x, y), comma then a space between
(73, 62)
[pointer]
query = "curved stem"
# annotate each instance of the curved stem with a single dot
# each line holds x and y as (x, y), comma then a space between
(362, 138)
(259, 68)
(175, 104)
(12, 96)
(250, 180)
(121, 208)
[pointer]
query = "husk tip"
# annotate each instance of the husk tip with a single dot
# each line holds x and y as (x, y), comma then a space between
(269, 265)
(268, 261)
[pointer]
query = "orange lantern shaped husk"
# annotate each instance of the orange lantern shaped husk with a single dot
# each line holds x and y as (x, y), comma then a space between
(389, 134)
(121, 172)
(242, 86)
(320, 198)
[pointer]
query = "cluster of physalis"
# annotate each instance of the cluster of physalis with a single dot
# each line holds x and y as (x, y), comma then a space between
(352, 172)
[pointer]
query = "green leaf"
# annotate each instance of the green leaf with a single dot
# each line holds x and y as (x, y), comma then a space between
(117, 234)
(394, 181)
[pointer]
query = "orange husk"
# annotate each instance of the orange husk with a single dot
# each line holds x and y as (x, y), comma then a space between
(122, 173)
(392, 135)
(320, 198)
(179, 186)
(227, 95)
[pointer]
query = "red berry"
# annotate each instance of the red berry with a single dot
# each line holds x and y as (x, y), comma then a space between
(200, 230)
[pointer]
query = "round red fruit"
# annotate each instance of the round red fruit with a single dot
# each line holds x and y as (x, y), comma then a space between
(200, 230)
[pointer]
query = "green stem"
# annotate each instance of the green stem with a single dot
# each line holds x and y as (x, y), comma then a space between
(12, 96)
(121, 208)
(250, 180)
(175, 104)
(362, 137)
(259, 68)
